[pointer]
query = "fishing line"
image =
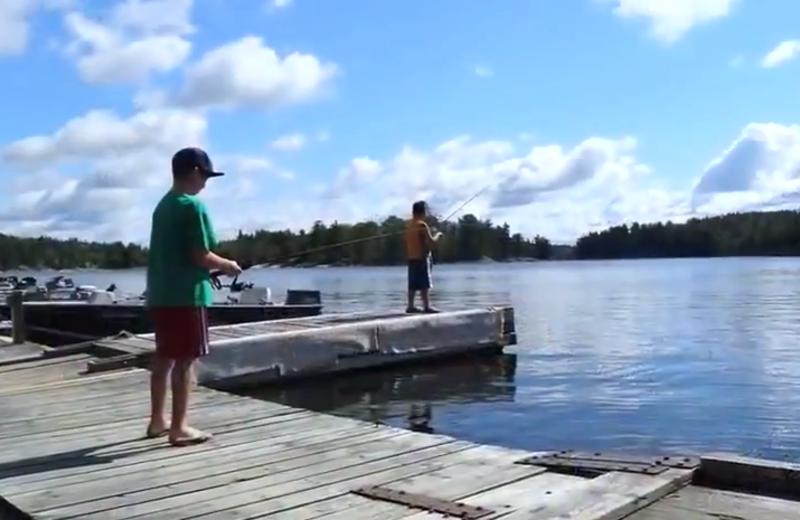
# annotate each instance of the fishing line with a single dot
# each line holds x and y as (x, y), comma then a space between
(217, 274)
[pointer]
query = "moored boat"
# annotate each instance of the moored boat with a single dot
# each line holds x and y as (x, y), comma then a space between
(63, 313)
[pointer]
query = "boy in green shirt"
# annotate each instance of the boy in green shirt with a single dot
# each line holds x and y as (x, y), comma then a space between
(179, 291)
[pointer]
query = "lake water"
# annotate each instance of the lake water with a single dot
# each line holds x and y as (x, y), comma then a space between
(639, 355)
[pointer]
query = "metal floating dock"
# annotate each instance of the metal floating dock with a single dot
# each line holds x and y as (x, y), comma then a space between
(270, 351)
(73, 450)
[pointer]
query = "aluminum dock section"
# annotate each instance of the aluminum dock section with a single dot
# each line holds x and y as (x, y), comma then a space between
(269, 351)
(73, 448)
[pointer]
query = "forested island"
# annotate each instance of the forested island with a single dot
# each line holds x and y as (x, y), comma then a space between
(468, 239)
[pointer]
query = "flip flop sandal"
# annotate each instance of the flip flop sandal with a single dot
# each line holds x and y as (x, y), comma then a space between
(155, 434)
(190, 441)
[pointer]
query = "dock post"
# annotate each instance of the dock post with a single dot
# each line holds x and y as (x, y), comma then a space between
(15, 302)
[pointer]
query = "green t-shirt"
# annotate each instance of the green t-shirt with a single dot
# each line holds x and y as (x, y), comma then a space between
(181, 226)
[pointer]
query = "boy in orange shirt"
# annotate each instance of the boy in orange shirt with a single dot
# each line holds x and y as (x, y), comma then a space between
(418, 241)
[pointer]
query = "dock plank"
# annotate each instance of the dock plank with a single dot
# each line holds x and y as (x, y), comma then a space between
(280, 494)
(696, 503)
(151, 482)
(611, 496)
(229, 435)
(38, 387)
(453, 478)
(15, 354)
(184, 496)
(102, 412)
(519, 495)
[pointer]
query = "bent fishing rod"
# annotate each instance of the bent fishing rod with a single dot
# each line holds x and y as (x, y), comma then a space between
(216, 274)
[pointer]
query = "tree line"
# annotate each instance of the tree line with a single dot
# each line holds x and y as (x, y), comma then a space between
(469, 239)
(773, 233)
(369, 243)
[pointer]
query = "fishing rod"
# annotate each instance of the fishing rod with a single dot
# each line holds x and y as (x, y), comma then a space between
(216, 274)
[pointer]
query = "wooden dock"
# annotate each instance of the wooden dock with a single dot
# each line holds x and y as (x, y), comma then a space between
(73, 449)
(251, 354)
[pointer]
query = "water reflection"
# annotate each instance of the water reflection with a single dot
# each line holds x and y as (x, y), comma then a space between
(410, 397)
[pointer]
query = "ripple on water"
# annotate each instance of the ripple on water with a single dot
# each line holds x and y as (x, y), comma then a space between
(649, 355)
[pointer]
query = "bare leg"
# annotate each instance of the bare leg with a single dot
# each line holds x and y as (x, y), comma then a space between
(159, 373)
(411, 296)
(426, 301)
(182, 381)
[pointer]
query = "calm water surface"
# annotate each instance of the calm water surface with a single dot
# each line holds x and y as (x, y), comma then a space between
(643, 355)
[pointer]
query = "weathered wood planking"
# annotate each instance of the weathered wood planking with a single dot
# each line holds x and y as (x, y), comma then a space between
(73, 449)
(455, 478)
(696, 503)
(11, 354)
(42, 370)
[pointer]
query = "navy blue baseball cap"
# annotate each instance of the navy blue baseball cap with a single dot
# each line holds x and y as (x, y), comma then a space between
(187, 159)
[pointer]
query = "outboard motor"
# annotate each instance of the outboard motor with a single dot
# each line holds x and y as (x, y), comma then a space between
(303, 297)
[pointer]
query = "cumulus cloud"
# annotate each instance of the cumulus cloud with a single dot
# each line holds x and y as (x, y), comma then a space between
(564, 192)
(782, 53)
(112, 169)
(15, 18)
(763, 164)
(248, 74)
(138, 38)
(14, 25)
(669, 20)
(100, 133)
(108, 165)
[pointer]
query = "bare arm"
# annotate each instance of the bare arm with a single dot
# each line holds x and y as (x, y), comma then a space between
(210, 260)
(427, 239)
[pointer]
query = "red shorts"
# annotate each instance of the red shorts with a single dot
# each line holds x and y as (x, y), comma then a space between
(181, 332)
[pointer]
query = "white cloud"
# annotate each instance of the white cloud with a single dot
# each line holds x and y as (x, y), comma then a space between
(563, 192)
(280, 4)
(108, 167)
(100, 134)
(15, 22)
(137, 39)
(782, 53)
(14, 26)
(248, 74)
(669, 20)
(101, 175)
(761, 167)
(290, 143)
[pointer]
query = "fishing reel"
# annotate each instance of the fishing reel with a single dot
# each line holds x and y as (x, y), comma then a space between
(234, 286)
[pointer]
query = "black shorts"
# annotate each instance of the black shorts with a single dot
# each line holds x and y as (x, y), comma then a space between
(419, 274)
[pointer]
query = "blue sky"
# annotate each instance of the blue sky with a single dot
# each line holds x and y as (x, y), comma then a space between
(579, 113)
